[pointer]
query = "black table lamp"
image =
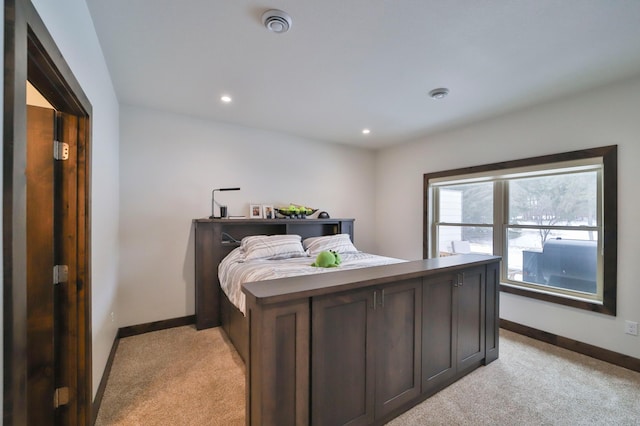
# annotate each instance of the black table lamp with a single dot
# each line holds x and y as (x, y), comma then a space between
(213, 203)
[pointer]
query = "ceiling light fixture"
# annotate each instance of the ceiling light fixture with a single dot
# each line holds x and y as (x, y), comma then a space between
(226, 99)
(439, 93)
(276, 21)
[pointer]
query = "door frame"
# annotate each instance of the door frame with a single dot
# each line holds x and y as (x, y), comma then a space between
(31, 53)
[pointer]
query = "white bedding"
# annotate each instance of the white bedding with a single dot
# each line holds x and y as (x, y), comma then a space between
(234, 270)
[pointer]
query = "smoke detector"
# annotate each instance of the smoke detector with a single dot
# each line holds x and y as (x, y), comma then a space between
(276, 21)
(439, 93)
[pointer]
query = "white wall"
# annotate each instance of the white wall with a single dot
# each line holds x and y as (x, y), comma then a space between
(168, 166)
(72, 29)
(600, 117)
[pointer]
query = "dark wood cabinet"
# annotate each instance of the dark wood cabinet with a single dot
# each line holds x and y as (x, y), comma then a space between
(364, 337)
(453, 326)
(361, 346)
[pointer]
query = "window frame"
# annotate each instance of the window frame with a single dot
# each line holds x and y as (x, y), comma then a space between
(609, 155)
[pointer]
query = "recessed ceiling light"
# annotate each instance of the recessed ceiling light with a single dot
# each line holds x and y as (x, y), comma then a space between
(439, 93)
(226, 99)
(366, 131)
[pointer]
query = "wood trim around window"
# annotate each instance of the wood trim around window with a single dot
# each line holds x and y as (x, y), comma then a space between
(609, 155)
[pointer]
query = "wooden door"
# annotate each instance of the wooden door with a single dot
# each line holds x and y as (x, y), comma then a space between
(69, 316)
(52, 307)
(343, 359)
(439, 333)
(41, 371)
(398, 360)
(471, 317)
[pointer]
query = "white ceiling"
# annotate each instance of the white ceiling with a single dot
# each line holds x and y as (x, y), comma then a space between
(346, 65)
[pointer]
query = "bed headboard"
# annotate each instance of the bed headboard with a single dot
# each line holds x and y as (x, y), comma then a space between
(215, 238)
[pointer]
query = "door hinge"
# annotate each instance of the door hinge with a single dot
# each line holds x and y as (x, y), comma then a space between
(61, 397)
(60, 150)
(60, 274)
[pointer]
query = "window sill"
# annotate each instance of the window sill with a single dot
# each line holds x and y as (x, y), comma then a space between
(584, 304)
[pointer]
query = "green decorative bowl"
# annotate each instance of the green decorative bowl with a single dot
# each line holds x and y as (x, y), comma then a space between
(286, 211)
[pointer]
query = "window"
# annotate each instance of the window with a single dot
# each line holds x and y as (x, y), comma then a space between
(551, 218)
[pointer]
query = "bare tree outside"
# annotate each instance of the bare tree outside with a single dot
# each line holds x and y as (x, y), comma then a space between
(565, 200)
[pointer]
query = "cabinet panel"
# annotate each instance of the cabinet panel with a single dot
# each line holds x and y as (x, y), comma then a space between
(398, 345)
(366, 343)
(342, 354)
(280, 369)
(207, 295)
(471, 316)
(438, 333)
(453, 326)
(492, 340)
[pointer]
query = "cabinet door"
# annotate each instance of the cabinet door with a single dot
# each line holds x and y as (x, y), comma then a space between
(471, 316)
(398, 361)
(492, 340)
(438, 332)
(343, 361)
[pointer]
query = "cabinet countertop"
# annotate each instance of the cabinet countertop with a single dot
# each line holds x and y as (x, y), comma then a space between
(295, 288)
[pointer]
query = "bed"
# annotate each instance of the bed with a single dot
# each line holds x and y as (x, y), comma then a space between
(235, 270)
(353, 344)
(215, 239)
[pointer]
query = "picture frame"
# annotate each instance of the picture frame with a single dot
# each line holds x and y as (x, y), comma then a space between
(268, 212)
(255, 211)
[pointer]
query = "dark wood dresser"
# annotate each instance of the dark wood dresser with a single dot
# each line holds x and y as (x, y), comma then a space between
(361, 346)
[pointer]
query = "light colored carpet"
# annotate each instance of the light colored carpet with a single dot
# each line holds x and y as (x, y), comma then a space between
(178, 376)
(534, 383)
(186, 377)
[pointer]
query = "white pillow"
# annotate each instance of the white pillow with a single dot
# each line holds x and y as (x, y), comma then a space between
(272, 246)
(340, 243)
